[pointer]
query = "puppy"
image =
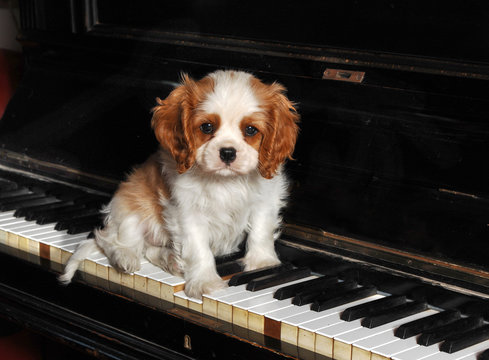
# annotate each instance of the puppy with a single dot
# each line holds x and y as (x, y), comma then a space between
(216, 178)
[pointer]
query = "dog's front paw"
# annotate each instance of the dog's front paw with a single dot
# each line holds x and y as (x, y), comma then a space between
(125, 260)
(253, 261)
(196, 287)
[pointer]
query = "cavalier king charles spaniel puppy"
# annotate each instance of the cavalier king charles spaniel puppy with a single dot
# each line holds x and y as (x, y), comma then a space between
(216, 179)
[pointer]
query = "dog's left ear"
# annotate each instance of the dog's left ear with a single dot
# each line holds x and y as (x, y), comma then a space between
(170, 123)
(279, 139)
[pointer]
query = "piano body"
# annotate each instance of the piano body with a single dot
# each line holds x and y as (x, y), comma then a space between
(388, 221)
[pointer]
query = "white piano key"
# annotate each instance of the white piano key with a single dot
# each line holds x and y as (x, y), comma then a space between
(368, 339)
(159, 276)
(7, 215)
(418, 353)
(173, 280)
(270, 307)
(51, 234)
(4, 224)
(63, 236)
(469, 353)
(281, 314)
(70, 248)
(28, 229)
(147, 269)
(395, 347)
(42, 234)
(41, 230)
(228, 291)
(19, 226)
(66, 240)
(181, 294)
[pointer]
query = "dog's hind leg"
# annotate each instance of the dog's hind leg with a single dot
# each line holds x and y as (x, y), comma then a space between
(123, 243)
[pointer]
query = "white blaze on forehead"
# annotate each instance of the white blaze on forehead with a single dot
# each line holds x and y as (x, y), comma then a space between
(232, 97)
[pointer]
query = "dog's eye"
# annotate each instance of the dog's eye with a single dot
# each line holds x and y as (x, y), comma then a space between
(250, 131)
(207, 128)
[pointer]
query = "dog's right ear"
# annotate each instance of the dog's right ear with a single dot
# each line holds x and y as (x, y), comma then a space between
(169, 121)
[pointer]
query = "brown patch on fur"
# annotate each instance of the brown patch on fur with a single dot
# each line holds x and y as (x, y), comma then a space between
(203, 118)
(281, 130)
(143, 189)
(173, 120)
(259, 121)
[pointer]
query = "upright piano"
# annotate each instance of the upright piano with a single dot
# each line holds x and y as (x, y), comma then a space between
(387, 229)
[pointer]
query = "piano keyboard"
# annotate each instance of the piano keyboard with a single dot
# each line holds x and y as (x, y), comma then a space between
(330, 313)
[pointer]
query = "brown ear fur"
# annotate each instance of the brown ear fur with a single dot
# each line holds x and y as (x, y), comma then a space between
(171, 120)
(280, 136)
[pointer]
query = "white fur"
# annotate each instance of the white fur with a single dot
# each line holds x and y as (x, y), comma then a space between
(211, 207)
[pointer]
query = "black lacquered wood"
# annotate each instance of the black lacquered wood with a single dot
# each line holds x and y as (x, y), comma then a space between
(277, 279)
(466, 339)
(328, 301)
(309, 286)
(247, 276)
(427, 323)
(307, 297)
(453, 329)
(393, 314)
(371, 307)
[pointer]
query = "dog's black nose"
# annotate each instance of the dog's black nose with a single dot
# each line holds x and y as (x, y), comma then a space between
(228, 155)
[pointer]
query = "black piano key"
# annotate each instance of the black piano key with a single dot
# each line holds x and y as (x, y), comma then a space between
(328, 302)
(65, 193)
(307, 297)
(330, 268)
(466, 339)
(309, 285)
(230, 257)
(443, 332)
(277, 279)
(31, 211)
(36, 201)
(247, 276)
(437, 296)
(422, 325)
(396, 285)
(89, 219)
(91, 200)
(12, 193)
(7, 185)
(82, 227)
(395, 313)
(66, 215)
(19, 201)
(372, 307)
(475, 308)
(484, 355)
(229, 267)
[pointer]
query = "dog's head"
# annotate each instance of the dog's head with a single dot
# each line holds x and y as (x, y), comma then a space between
(227, 123)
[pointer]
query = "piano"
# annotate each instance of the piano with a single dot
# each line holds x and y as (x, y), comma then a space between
(384, 247)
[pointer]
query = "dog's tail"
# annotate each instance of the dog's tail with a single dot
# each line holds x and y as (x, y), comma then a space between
(82, 252)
